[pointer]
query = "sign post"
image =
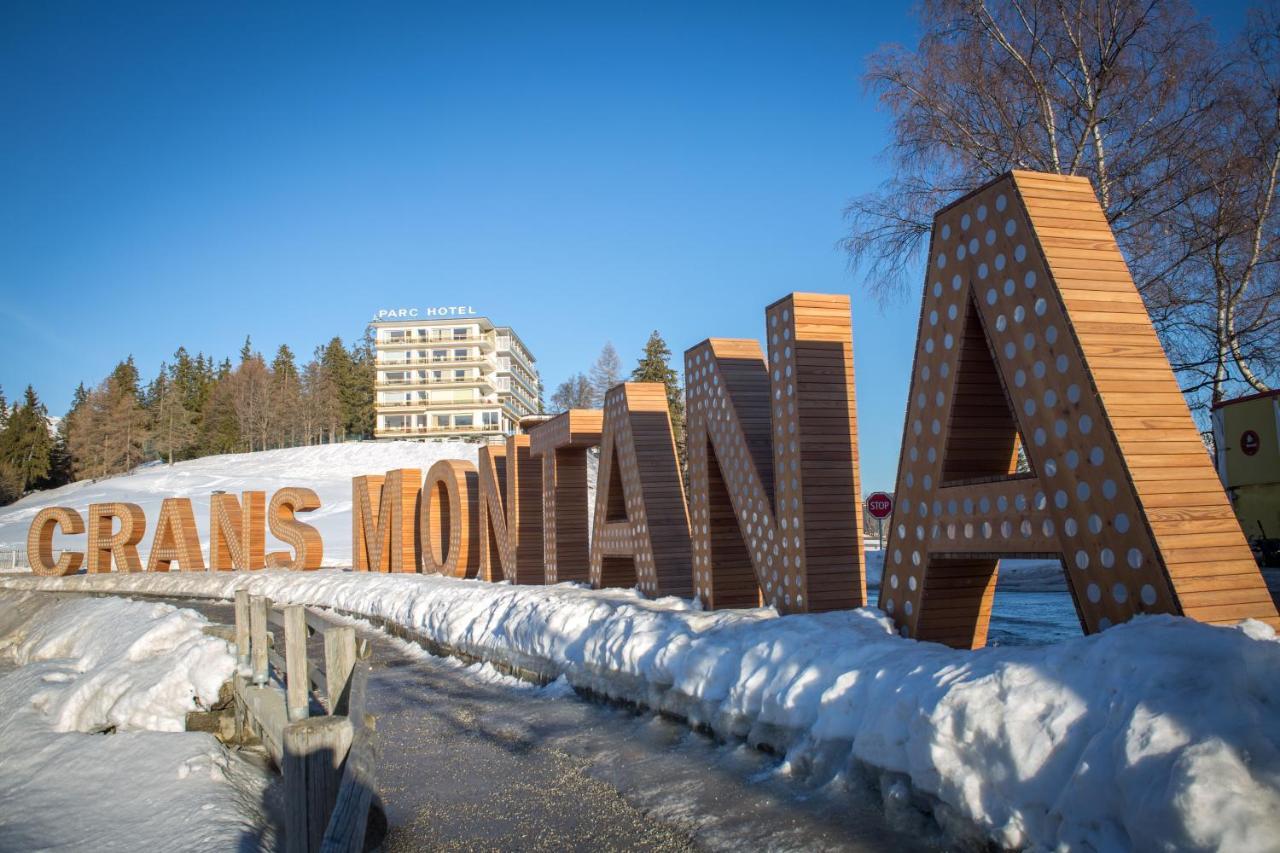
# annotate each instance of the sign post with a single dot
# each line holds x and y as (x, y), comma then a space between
(880, 507)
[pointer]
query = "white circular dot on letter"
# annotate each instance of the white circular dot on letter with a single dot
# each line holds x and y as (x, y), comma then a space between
(1082, 560)
(1148, 594)
(1135, 558)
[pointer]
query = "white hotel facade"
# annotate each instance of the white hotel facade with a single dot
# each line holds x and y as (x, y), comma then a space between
(448, 373)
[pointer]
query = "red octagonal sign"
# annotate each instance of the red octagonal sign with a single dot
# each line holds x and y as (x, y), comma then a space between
(879, 505)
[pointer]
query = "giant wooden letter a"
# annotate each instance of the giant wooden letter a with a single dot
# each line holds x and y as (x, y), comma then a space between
(1033, 333)
(775, 505)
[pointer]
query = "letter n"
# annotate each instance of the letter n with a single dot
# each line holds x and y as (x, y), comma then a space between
(389, 544)
(510, 513)
(773, 463)
(640, 532)
(562, 443)
(1032, 333)
(237, 531)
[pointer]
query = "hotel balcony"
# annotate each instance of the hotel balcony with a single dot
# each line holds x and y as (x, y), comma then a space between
(393, 363)
(428, 431)
(419, 381)
(463, 405)
(483, 341)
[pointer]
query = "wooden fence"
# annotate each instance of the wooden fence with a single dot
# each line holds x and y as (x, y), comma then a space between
(312, 721)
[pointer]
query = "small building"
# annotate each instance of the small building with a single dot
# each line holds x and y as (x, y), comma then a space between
(1246, 437)
(448, 373)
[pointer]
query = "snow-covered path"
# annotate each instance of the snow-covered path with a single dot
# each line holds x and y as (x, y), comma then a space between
(93, 756)
(1159, 733)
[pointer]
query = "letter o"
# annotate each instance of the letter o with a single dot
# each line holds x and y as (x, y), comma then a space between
(40, 541)
(449, 520)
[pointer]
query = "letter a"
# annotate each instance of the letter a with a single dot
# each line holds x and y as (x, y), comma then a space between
(1032, 332)
(640, 533)
(773, 463)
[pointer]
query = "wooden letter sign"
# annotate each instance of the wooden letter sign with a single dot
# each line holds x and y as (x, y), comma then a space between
(449, 524)
(237, 531)
(176, 538)
(303, 538)
(773, 463)
(562, 442)
(510, 513)
(640, 531)
(1032, 333)
(120, 547)
(40, 541)
(392, 500)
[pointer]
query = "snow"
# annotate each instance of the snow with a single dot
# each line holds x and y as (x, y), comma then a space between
(93, 698)
(1159, 733)
(326, 468)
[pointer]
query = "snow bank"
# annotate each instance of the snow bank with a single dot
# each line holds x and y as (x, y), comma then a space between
(72, 668)
(326, 468)
(1160, 733)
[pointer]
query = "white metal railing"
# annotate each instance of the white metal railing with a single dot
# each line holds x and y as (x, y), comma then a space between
(13, 558)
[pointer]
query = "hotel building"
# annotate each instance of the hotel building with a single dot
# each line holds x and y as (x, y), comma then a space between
(446, 373)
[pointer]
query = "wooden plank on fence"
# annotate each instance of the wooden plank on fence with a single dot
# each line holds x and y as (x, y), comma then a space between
(314, 750)
(349, 820)
(339, 659)
(259, 609)
(242, 626)
(297, 678)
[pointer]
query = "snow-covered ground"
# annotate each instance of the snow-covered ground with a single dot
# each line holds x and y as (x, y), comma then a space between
(93, 756)
(326, 468)
(1157, 734)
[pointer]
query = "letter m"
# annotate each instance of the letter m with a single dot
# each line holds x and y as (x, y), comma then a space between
(776, 506)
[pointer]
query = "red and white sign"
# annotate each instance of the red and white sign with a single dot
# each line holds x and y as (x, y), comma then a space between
(1249, 442)
(879, 505)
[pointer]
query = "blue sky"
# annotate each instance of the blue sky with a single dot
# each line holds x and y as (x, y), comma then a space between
(173, 175)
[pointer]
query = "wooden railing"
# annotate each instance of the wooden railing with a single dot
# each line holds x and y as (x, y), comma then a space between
(327, 759)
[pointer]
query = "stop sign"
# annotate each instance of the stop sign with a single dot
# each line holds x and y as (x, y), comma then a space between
(879, 505)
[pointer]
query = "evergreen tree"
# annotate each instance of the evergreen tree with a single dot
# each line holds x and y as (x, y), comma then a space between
(654, 366)
(173, 426)
(606, 372)
(26, 447)
(4, 410)
(576, 392)
(286, 398)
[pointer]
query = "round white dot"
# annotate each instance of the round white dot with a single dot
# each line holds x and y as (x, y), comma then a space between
(1148, 594)
(1082, 560)
(1135, 558)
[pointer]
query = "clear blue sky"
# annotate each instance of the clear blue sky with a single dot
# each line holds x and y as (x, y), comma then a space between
(173, 175)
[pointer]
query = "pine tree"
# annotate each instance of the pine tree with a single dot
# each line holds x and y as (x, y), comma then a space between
(26, 447)
(654, 366)
(606, 372)
(286, 398)
(173, 427)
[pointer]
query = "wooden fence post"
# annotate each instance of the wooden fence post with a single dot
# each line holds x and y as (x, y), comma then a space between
(242, 627)
(297, 679)
(259, 608)
(314, 750)
(339, 659)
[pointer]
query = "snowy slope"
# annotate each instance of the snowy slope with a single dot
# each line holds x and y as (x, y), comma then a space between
(72, 669)
(1157, 734)
(326, 468)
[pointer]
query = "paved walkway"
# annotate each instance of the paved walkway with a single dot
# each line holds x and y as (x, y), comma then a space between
(473, 761)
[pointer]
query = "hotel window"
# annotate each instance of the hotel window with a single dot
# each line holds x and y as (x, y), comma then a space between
(490, 420)
(437, 375)
(460, 353)
(440, 354)
(459, 374)
(442, 421)
(460, 334)
(463, 420)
